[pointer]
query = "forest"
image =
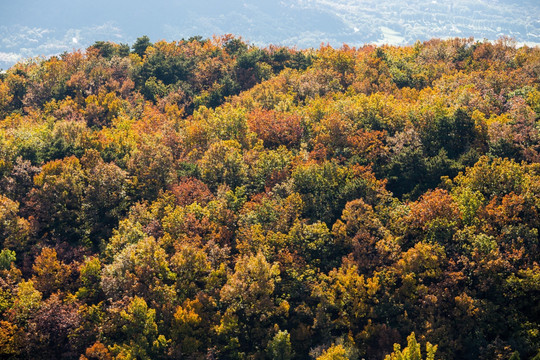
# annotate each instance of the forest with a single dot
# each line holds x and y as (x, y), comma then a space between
(212, 199)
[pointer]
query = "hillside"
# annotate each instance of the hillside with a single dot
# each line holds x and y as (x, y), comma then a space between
(211, 199)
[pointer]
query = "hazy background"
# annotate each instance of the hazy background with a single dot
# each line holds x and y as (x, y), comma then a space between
(30, 28)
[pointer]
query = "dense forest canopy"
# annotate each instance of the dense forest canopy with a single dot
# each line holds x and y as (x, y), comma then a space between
(210, 199)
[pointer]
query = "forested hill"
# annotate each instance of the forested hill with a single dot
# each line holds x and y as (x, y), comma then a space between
(209, 199)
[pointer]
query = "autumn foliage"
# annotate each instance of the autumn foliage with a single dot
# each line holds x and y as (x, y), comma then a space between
(210, 199)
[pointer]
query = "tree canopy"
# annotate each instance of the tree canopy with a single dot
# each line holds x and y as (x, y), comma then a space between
(211, 199)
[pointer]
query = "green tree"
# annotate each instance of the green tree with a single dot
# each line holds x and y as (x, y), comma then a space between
(90, 280)
(222, 163)
(141, 44)
(7, 257)
(250, 304)
(27, 301)
(105, 198)
(151, 166)
(56, 200)
(326, 188)
(140, 332)
(412, 351)
(141, 269)
(279, 348)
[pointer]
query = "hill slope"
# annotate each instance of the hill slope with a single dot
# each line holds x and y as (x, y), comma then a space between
(212, 199)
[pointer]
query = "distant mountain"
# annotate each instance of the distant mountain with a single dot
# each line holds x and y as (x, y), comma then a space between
(31, 28)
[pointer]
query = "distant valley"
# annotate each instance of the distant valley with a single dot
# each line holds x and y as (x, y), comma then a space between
(30, 28)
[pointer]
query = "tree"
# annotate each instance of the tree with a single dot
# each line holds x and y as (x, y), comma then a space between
(14, 230)
(6, 258)
(5, 98)
(105, 198)
(437, 215)
(27, 301)
(326, 188)
(140, 269)
(279, 348)
(97, 351)
(18, 183)
(108, 49)
(10, 345)
(334, 352)
(49, 273)
(315, 244)
(346, 197)
(190, 190)
(359, 229)
(346, 300)
(140, 332)
(56, 200)
(189, 330)
(222, 163)
(191, 266)
(276, 128)
(90, 280)
(406, 167)
(50, 331)
(102, 108)
(141, 44)
(249, 304)
(412, 351)
(151, 165)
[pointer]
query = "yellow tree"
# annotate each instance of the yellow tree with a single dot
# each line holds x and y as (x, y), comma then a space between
(412, 351)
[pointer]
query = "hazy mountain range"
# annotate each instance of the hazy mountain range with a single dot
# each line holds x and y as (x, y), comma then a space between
(30, 28)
